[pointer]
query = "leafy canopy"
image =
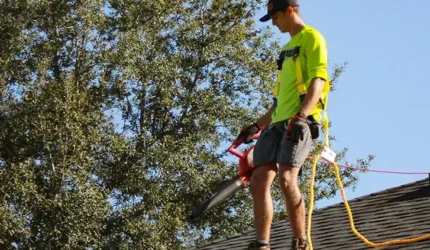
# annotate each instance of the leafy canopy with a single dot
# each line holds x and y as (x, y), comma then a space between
(115, 117)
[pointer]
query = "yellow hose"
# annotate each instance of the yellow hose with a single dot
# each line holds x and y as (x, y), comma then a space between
(348, 209)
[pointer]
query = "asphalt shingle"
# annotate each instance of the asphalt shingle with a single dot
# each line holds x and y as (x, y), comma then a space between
(396, 213)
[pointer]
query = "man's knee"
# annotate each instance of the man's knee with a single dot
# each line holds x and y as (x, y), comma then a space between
(288, 177)
(262, 177)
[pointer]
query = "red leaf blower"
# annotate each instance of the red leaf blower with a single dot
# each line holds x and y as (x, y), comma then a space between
(239, 182)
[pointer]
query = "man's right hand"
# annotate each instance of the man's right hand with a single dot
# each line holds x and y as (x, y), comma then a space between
(247, 132)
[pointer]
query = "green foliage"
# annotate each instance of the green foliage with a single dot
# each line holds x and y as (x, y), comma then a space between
(115, 115)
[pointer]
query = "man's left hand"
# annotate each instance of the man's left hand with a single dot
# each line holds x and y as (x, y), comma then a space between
(296, 128)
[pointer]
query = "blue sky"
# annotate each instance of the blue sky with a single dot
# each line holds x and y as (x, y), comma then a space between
(379, 106)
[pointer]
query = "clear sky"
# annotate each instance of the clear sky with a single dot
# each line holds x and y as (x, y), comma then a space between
(380, 105)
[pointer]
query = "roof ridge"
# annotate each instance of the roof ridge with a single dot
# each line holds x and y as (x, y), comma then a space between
(250, 230)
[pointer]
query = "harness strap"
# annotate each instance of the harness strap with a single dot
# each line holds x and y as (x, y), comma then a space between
(301, 88)
(322, 103)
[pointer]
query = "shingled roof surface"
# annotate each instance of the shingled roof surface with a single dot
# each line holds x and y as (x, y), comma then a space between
(397, 213)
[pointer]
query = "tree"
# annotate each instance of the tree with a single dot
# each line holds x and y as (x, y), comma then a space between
(116, 116)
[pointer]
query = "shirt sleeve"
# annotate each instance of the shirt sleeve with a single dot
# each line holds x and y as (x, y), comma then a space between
(316, 53)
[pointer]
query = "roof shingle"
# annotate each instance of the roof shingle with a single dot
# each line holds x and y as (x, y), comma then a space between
(396, 213)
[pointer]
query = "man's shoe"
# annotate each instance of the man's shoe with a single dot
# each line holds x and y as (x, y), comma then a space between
(299, 244)
(255, 245)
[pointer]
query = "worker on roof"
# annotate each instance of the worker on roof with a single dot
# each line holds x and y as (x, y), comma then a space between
(290, 125)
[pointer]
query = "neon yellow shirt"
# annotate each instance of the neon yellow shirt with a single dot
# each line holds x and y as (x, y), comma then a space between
(313, 58)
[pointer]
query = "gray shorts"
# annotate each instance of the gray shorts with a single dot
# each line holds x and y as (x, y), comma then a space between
(272, 147)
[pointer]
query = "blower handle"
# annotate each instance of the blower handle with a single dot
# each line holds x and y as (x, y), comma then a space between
(233, 148)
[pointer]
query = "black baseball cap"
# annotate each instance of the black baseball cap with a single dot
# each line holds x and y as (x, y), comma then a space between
(277, 5)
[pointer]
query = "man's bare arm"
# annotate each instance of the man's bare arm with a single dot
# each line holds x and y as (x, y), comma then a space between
(313, 95)
(266, 119)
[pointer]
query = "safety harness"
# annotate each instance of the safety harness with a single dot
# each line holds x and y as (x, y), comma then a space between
(301, 87)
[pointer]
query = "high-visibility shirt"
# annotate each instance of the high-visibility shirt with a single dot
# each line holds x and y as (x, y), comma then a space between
(311, 48)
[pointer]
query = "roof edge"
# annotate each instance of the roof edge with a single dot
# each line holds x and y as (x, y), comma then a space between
(384, 191)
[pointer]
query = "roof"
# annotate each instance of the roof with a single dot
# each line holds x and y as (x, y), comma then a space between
(396, 213)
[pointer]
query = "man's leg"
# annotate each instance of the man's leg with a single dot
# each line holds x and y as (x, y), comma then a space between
(260, 184)
(293, 199)
(264, 158)
(291, 158)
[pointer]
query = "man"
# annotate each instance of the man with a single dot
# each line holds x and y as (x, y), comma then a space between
(285, 142)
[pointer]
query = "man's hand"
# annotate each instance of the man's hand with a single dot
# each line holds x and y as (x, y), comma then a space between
(296, 128)
(247, 132)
